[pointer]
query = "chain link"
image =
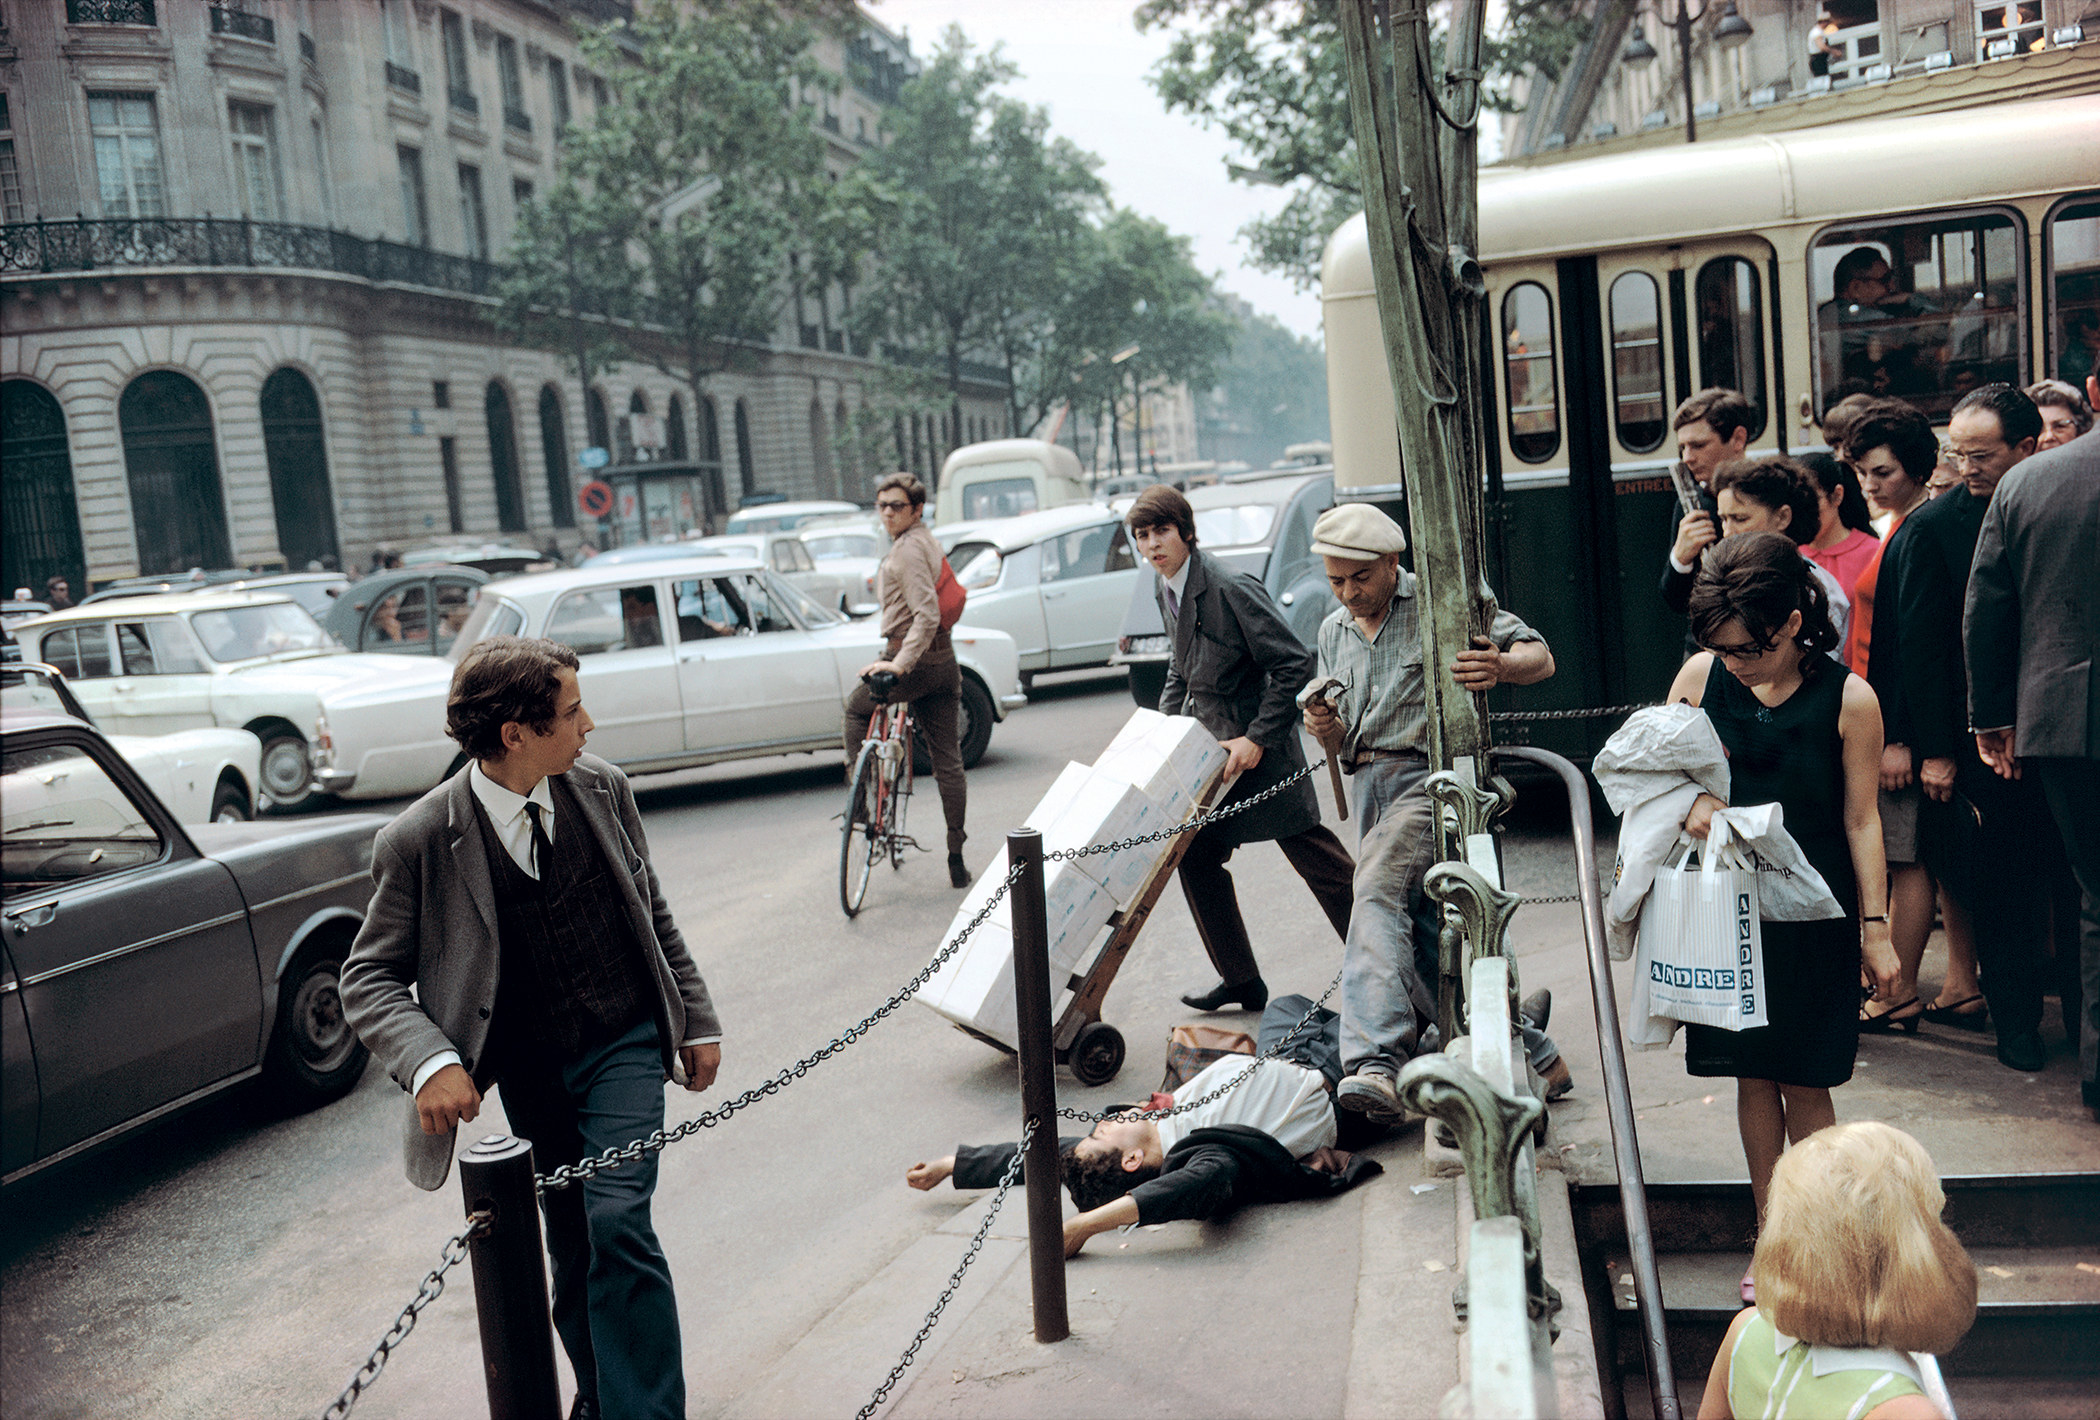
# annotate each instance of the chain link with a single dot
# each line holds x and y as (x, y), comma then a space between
(664, 1138)
(1067, 855)
(1528, 717)
(433, 1287)
(984, 1230)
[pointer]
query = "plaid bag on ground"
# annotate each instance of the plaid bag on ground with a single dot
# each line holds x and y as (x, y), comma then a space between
(1193, 1048)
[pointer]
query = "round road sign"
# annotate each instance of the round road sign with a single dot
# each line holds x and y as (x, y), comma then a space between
(595, 498)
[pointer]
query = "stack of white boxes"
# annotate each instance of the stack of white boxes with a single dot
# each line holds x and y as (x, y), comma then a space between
(1147, 779)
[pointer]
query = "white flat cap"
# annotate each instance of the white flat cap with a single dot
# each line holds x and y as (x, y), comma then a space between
(1358, 532)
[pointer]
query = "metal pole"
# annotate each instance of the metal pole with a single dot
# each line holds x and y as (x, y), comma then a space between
(1683, 26)
(510, 1281)
(1046, 1217)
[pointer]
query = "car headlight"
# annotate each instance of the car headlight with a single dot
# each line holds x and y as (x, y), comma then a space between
(324, 743)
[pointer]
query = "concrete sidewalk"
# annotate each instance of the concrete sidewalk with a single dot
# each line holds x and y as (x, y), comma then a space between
(1343, 1307)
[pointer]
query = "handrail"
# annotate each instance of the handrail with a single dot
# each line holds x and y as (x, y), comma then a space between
(1618, 1095)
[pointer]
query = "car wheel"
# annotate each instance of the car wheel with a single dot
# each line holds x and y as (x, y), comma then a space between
(230, 803)
(974, 722)
(314, 1055)
(1147, 680)
(288, 772)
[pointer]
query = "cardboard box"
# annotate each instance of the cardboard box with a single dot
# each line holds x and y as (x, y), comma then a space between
(975, 987)
(1150, 743)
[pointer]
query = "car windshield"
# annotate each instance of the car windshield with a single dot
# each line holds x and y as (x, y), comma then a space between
(806, 611)
(242, 633)
(492, 616)
(1243, 525)
(829, 545)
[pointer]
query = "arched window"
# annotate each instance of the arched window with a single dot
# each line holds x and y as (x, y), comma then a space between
(39, 519)
(503, 461)
(674, 430)
(820, 451)
(298, 459)
(711, 457)
(178, 513)
(903, 458)
(1639, 411)
(595, 422)
(849, 452)
(746, 473)
(554, 450)
(1527, 364)
(623, 433)
(1731, 332)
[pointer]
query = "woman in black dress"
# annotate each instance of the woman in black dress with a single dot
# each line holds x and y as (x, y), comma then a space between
(1804, 732)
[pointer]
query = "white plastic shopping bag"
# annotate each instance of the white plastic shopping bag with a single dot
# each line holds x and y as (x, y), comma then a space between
(1701, 953)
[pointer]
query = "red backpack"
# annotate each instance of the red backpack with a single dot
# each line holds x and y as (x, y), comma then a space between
(953, 596)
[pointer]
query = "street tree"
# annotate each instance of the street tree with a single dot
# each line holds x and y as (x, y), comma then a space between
(1271, 392)
(1269, 75)
(686, 209)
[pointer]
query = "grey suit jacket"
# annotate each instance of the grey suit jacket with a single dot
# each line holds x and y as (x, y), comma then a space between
(432, 927)
(2031, 627)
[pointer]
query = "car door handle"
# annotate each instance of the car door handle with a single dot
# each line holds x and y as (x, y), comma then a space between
(1053, 595)
(34, 917)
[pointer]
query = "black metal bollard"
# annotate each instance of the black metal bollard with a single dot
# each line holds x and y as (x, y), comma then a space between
(1046, 1226)
(510, 1281)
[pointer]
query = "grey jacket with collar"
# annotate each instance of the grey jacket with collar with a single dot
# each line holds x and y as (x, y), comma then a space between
(432, 928)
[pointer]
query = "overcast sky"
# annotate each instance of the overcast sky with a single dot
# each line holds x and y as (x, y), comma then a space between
(1086, 63)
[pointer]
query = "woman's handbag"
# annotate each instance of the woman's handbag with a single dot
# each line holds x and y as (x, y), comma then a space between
(1701, 951)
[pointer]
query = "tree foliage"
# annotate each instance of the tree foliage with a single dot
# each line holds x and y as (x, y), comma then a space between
(1271, 393)
(1268, 74)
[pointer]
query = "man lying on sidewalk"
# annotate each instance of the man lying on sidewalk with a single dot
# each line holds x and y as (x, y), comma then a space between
(1268, 1139)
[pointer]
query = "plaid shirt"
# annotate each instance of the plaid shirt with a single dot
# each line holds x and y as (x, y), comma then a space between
(1383, 707)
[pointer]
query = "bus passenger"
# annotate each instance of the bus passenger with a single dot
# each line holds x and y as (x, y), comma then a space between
(1779, 495)
(1875, 325)
(1372, 643)
(1803, 733)
(1856, 1275)
(1713, 428)
(2065, 413)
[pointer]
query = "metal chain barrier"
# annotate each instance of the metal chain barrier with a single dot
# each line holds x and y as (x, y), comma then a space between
(433, 1286)
(664, 1138)
(1530, 717)
(933, 1317)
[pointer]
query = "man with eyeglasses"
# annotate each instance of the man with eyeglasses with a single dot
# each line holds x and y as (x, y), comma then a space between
(1985, 838)
(919, 653)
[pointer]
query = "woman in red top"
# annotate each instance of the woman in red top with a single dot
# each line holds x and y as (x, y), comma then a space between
(1844, 543)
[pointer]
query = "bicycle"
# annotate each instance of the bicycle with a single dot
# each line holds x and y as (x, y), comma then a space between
(881, 792)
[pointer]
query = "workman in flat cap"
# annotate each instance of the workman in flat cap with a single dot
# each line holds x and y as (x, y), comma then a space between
(1377, 726)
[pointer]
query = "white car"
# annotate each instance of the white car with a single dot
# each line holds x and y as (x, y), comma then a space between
(203, 776)
(785, 517)
(681, 663)
(852, 548)
(1058, 582)
(790, 560)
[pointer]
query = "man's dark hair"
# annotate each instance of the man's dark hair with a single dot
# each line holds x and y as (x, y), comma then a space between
(1776, 483)
(1759, 580)
(1161, 506)
(1724, 411)
(1094, 1180)
(1901, 429)
(500, 680)
(1853, 265)
(2018, 419)
(905, 483)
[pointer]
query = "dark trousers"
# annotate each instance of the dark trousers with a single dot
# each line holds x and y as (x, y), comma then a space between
(2072, 787)
(1315, 855)
(613, 1305)
(1997, 870)
(934, 689)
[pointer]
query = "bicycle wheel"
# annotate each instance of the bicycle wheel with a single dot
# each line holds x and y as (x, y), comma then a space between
(899, 799)
(860, 840)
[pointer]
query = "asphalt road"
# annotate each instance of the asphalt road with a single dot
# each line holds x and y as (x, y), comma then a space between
(232, 1264)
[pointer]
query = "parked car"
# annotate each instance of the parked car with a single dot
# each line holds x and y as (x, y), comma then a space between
(495, 558)
(1004, 478)
(852, 548)
(316, 591)
(785, 553)
(413, 611)
(1055, 581)
(649, 552)
(13, 613)
(239, 660)
(682, 664)
(147, 966)
(783, 516)
(203, 776)
(1255, 522)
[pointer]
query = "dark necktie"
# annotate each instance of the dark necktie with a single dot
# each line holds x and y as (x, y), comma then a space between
(542, 848)
(1173, 604)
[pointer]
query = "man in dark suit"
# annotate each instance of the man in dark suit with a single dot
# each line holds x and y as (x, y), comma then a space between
(2032, 634)
(1984, 838)
(1238, 669)
(518, 902)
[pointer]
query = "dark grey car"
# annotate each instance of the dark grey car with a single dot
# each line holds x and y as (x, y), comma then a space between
(1253, 522)
(145, 966)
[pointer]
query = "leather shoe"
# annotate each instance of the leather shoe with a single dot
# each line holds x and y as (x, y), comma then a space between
(958, 875)
(1251, 995)
(1374, 1096)
(1537, 1008)
(2023, 1051)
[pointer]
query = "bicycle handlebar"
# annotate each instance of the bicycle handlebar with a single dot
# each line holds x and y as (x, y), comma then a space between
(881, 682)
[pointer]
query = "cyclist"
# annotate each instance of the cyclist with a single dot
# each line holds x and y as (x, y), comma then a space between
(919, 653)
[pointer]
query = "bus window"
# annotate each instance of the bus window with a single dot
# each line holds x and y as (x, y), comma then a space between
(1925, 310)
(1731, 333)
(1636, 363)
(1527, 359)
(2072, 241)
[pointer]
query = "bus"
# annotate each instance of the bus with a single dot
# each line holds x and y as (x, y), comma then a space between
(1620, 284)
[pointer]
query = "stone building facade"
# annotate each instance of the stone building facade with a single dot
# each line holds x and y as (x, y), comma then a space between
(245, 310)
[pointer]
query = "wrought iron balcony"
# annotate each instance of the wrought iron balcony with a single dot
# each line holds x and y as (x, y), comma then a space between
(517, 120)
(110, 12)
(227, 21)
(405, 79)
(464, 100)
(139, 242)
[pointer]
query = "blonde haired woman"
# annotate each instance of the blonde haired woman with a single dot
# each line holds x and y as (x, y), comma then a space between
(1854, 1271)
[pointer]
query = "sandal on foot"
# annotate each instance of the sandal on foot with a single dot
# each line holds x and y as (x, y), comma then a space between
(1954, 1015)
(1888, 1022)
